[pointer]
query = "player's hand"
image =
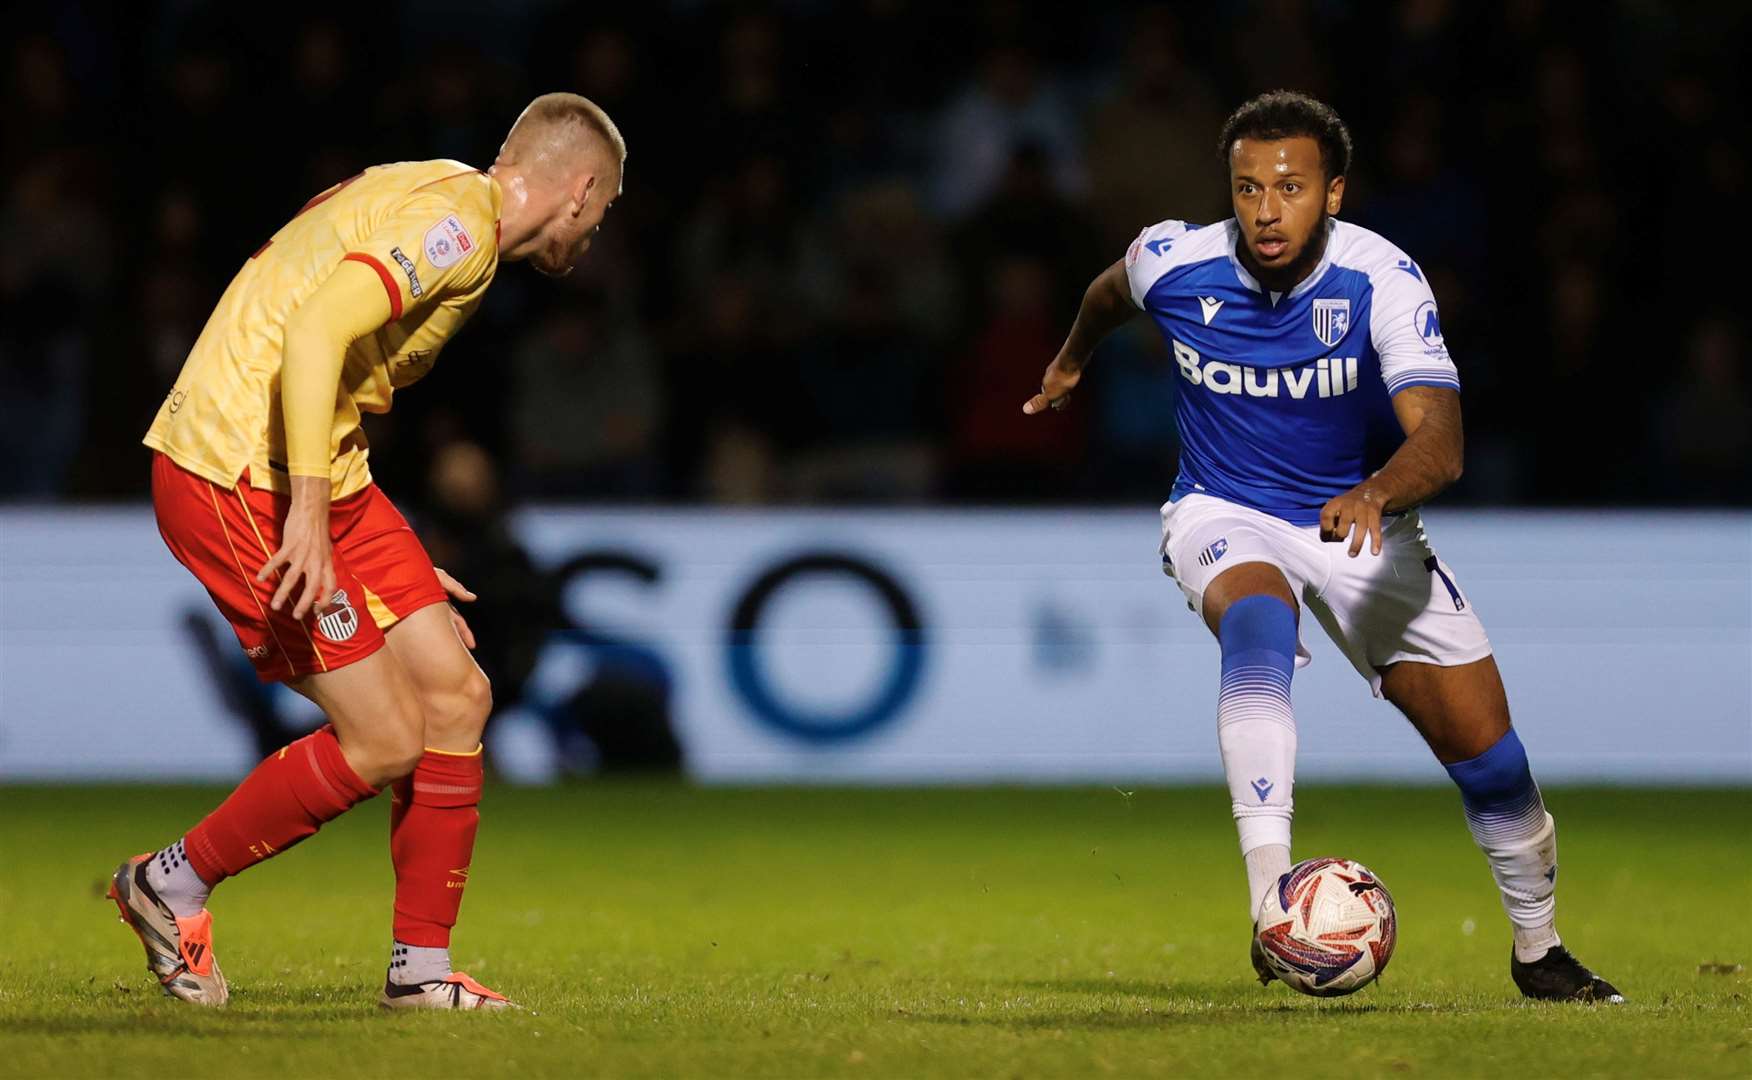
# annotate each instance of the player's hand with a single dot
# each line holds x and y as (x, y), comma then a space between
(457, 591)
(305, 561)
(1354, 516)
(1062, 376)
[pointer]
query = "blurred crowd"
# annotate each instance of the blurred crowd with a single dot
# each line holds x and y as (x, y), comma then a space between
(854, 233)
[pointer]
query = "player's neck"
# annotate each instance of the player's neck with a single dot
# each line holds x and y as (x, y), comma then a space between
(1286, 278)
(515, 226)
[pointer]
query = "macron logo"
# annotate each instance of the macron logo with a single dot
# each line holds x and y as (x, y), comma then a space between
(1211, 306)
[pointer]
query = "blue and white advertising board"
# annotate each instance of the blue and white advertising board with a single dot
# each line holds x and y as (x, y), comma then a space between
(884, 647)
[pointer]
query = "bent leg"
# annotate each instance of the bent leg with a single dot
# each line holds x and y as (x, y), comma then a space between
(372, 737)
(1462, 712)
(435, 814)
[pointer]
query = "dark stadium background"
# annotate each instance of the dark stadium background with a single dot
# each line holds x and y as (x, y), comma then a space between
(853, 233)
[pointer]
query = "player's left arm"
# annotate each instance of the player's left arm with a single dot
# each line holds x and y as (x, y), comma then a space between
(1425, 464)
(1406, 333)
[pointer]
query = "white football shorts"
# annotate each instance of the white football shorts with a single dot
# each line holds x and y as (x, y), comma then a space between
(1402, 604)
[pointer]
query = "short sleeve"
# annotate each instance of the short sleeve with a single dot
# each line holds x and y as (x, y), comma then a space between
(428, 248)
(1406, 330)
(1147, 258)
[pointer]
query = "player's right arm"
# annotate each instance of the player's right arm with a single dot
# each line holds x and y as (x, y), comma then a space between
(349, 305)
(1107, 305)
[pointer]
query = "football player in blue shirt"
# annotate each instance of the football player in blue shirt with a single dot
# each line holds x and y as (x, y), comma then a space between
(1317, 410)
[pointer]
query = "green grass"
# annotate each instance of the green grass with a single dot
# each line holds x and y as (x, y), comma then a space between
(662, 930)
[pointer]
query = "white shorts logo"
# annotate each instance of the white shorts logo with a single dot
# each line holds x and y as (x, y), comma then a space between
(447, 242)
(339, 621)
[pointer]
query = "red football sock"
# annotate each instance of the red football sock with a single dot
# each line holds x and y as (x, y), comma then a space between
(431, 839)
(283, 800)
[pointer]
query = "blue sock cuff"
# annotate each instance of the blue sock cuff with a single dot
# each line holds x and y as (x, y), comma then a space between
(1498, 777)
(1258, 631)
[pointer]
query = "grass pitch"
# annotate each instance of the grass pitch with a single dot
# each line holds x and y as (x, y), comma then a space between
(660, 930)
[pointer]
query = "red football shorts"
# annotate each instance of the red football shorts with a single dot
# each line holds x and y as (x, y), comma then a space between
(382, 571)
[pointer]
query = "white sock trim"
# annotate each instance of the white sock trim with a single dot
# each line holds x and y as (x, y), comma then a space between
(410, 965)
(175, 881)
(1265, 865)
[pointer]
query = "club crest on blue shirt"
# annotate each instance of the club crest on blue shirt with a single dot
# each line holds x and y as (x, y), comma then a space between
(1331, 320)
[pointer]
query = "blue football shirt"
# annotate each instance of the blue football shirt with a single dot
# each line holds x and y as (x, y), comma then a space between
(1285, 399)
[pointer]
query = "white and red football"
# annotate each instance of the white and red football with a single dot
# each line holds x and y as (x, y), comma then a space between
(1327, 927)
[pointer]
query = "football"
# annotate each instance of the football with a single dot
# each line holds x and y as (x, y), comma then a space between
(1327, 927)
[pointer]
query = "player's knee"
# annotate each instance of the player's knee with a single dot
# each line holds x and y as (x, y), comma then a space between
(394, 748)
(456, 717)
(477, 700)
(401, 762)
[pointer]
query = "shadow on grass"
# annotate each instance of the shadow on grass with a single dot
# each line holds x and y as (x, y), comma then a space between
(1102, 987)
(1165, 1005)
(1186, 1014)
(304, 1012)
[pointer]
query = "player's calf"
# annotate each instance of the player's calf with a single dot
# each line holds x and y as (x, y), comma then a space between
(1507, 816)
(436, 809)
(432, 827)
(1256, 730)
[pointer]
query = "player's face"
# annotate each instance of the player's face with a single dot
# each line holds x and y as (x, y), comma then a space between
(1281, 198)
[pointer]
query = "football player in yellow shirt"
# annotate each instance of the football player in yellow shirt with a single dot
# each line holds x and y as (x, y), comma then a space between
(261, 485)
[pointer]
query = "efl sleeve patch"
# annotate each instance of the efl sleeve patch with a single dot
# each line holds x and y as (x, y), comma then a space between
(448, 243)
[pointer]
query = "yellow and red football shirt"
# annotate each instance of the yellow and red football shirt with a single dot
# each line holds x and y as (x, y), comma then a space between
(430, 231)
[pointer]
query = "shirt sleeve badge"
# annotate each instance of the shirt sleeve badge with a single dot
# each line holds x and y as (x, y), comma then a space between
(447, 242)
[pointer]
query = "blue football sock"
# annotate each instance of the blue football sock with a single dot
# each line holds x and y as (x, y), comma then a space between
(1508, 820)
(1256, 729)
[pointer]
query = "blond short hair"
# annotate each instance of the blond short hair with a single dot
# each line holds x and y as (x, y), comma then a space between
(557, 126)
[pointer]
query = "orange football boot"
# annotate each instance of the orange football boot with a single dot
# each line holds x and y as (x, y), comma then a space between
(454, 991)
(179, 951)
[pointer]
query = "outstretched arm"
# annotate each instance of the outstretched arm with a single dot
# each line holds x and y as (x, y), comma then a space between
(1107, 306)
(1423, 466)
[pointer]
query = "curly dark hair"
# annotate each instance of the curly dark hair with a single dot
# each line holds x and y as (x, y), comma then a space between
(1286, 114)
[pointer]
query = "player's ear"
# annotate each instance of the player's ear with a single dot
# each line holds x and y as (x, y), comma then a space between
(1335, 195)
(581, 191)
